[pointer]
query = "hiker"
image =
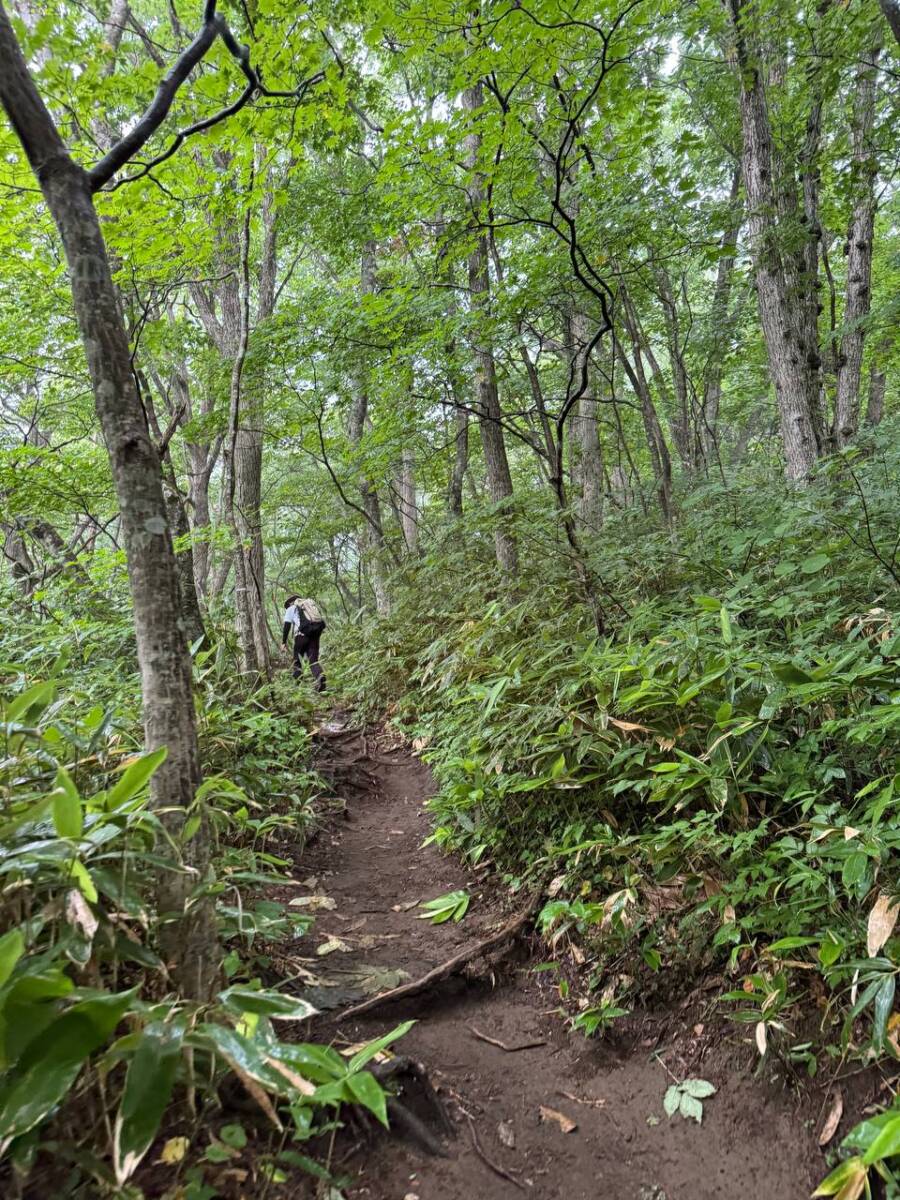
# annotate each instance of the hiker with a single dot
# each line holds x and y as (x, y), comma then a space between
(303, 619)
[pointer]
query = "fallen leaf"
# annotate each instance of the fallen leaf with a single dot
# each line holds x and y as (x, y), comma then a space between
(303, 1086)
(628, 726)
(882, 920)
(506, 1135)
(80, 914)
(406, 906)
(330, 946)
(174, 1151)
(314, 902)
(829, 1129)
(566, 1124)
(554, 887)
(761, 1042)
(850, 833)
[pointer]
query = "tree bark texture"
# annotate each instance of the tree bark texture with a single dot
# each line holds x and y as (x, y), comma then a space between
(588, 461)
(772, 218)
(860, 235)
(487, 399)
(189, 939)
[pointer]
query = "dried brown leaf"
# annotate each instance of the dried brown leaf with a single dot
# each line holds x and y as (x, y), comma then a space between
(882, 920)
(566, 1124)
(829, 1129)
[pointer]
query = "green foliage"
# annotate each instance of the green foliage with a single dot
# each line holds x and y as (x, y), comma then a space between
(452, 906)
(687, 1099)
(80, 848)
(717, 779)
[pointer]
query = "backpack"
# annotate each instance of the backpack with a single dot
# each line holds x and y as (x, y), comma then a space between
(306, 617)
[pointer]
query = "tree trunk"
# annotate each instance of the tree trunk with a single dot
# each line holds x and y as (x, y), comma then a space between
(720, 327)
(409, 512)
(588, 461)
(460, 463)
(875, 406)
(891, 10)
(859, 253)
(793, 364)
(372, 546)
(189, 940)
(487, 399)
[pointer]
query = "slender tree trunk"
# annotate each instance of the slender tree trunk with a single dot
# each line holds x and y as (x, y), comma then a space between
(372, 548)
(683, 431)
(875, 406)
(487, 399)
(859, 254)
(720, 327)
(409, 512)
(189, 940)
(460, 463)
(660, 457)
(588, 460)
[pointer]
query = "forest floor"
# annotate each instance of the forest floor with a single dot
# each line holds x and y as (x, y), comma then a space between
(537, 1111)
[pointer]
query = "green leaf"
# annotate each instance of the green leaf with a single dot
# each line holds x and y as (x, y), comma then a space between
(51, 1061)
(886, 1144)
(830, 950)
(68, 818)
(850, 1175)
(791, 943)
(39, 695)
(698, 1088)
(789, 673)
(12, 947)
(233, 1135)
(367, 1091)
(690, 1108)
(82, 878)
(135, 777)
(671, 1100)
(148, 1089)
(814, 564)
(267, 1004)
(369, 1051)
(884, 1004)
(854, 868)
(725, 620)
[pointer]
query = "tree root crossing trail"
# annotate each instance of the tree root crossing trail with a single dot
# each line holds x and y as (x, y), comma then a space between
(528, 1108)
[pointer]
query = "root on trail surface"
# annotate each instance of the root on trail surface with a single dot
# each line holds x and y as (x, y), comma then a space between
(451, 966)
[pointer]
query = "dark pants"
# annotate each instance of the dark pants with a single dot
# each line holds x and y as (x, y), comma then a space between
(306, 645)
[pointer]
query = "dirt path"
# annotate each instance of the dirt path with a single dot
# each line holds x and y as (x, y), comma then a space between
(372, 864)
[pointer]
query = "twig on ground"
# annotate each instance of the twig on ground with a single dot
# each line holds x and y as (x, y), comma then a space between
(498, 1170)
(503, 1046)
(451, 966)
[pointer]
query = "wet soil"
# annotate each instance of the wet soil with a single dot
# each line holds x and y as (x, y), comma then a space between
(603, 1132)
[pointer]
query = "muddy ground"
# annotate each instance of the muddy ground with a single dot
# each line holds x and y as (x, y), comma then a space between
(602, 1132)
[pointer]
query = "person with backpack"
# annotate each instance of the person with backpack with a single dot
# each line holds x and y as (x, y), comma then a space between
(303, 619)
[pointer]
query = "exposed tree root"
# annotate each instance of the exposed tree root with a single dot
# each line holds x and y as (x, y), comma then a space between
(451, 967)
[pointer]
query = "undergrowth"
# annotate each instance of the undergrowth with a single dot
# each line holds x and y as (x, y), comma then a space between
(712, 786)
(100, 1058)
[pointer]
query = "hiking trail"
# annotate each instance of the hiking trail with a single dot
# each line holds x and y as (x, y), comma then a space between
(537, 1110)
